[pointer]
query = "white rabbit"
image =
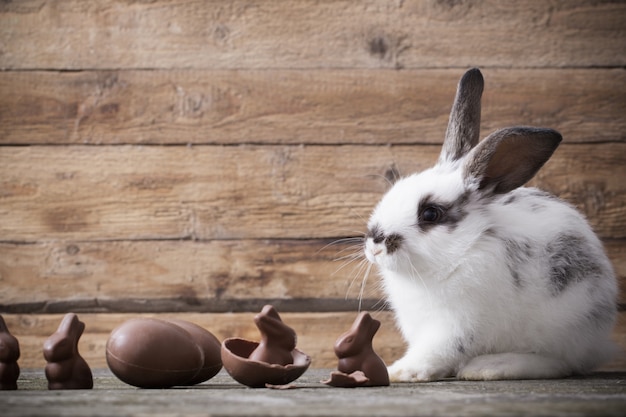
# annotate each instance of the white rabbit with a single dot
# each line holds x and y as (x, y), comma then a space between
(488, 280)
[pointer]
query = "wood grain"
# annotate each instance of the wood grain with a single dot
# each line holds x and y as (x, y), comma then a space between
(244, 192)
(188, 276)
(316, 332)
(206, 276)
(78, 34)
(293, 107)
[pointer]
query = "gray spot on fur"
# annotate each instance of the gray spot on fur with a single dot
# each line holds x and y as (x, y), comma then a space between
(543, 195)
(535, 207)
(570, 262)
(518, 253)
(375, 234)
(490, 232)
(602, 313)
(463, 344)
(535, 192)
(509, 199)
(392, 242)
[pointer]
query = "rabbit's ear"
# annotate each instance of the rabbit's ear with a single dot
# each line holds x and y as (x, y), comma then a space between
(464, 124)
(510, 157)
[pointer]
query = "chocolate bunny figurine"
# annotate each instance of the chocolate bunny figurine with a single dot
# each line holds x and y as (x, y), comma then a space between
(9, 354)
(277, 339)
(358, 364)
(66, 369)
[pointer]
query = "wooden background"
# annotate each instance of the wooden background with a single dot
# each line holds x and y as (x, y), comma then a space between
(196, 158)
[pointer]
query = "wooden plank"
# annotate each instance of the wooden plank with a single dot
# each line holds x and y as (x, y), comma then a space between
(316, 332)
(187, 276)
(180, 275)
(188, 192)
(293, 107)
(616, 249)
(581, 180)
(598, 394)
(80, 34)
(249, 192)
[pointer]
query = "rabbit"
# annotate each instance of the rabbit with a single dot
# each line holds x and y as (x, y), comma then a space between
(65, 368)
(356, 353)
(9, 354)
(277, 339)
(487, 279)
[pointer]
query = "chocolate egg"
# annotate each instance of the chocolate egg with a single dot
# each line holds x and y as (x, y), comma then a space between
(255, 374)
(210, 346)
(153, 353)
(272, 361)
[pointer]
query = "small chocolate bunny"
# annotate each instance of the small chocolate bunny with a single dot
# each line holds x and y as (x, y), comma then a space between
(66, 369)
(358, 364)
(277, 339)
(9, 354)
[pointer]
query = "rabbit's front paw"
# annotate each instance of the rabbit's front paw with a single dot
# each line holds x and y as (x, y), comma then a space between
(401, 371)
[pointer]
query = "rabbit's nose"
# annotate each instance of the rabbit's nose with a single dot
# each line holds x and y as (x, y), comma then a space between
(372, 250)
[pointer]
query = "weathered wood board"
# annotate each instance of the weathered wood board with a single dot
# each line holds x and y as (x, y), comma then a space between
(158, 276)
(304, 34)
(298, 107)
(224, 192)
(598, 394)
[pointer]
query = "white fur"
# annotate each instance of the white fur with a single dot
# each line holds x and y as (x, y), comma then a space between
(455, 298)
(465, 307)
(505, 282)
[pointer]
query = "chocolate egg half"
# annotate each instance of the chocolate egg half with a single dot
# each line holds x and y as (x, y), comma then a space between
(255, 374)
(153, 353)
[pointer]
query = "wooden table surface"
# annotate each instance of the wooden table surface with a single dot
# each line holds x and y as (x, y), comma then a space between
(598, 394)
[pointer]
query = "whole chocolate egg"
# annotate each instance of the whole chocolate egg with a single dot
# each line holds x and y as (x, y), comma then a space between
(153, 353)
(211, 347)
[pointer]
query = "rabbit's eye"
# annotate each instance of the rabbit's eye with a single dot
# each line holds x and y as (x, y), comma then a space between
(431, 214)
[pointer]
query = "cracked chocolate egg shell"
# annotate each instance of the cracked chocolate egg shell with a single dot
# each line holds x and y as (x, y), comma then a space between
(153, 353)
(235, 353)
